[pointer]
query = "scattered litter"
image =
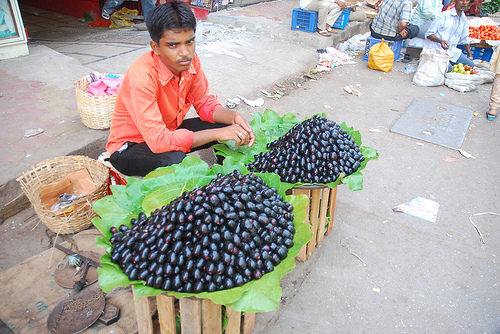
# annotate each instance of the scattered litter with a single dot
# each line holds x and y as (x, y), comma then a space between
(394, 109)
(328, 107)
(475, 226)
(385, 221)
(232, 103)
(449, 159)
(420, 207)
(467, 155)
(279, 85)
(33, 132)
(265, 92)
(28, 155)
(420, 144)
(442, 94)
(36, 13)
(475, 114)
(252, 103)
(61, 122)
(354, 45)
(374, 130)
(352, 90)
(410, 68)
(376, 289)
(425, 132)
(346, 246)
(307, 75)
(332, 57)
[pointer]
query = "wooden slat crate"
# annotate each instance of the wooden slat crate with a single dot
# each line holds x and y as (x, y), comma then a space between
(322, 201)
(197, 316)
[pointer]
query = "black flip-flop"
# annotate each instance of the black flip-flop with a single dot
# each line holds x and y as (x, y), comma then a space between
(407, 58)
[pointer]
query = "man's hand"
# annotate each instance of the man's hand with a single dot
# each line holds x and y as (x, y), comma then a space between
(378, 4)
(237, 133)
(444, 45)
(247, 133)
(403, 33)
(342, 4)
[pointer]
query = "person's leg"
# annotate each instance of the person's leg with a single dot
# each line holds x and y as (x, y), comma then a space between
(450, 66)
(110, 6)
(494, 98)
(412, 31)
(333, 15)
(147, 6)
(387, 38)
(423, 29)
(196, 124)
(323, 8)
(138, 160)
(464, 60)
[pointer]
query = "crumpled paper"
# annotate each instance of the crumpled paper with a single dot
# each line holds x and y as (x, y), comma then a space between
(420, 207)
(252, 103)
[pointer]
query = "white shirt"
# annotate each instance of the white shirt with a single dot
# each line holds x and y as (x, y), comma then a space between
(451, 28)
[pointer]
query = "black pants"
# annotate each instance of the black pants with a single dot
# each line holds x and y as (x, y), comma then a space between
(410, 28)
(138, 159)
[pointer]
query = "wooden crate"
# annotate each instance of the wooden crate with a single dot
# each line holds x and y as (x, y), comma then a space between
(322, 201)
(197, 316)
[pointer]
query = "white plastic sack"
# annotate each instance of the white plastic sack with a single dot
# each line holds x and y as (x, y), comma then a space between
(475, 79)
(431, 68)
(459, 85)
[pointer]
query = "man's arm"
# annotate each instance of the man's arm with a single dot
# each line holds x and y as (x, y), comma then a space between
(443, 43)
(240, 130)
(468, 50)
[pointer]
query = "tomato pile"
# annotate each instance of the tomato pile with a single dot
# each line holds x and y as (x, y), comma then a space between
(485, 32)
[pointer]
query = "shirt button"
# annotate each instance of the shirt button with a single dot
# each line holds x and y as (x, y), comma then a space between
(179, 111)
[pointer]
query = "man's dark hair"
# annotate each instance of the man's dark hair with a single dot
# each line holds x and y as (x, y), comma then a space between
(173, 15)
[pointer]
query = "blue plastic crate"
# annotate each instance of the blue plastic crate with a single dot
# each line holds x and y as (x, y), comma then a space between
(304, 20)
(478, 52)
(394, 45)
(343, 19)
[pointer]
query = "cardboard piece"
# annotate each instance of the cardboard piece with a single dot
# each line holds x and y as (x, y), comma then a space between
(49, 193)
(82, 181)
(77, 183)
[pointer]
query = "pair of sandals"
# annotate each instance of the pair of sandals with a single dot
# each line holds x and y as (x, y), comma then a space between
(326, 32)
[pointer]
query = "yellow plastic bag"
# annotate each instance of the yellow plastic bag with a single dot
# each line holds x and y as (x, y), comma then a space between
(122, 18)
(381, 57)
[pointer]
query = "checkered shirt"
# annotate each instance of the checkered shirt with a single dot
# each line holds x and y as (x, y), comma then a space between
(390, 14)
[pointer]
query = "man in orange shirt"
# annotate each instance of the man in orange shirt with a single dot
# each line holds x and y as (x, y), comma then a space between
(148, 129)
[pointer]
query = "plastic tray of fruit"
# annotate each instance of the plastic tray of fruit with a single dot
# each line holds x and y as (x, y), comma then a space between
(219, 233)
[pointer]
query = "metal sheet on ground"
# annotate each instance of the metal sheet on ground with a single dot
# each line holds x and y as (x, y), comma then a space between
(434, 122)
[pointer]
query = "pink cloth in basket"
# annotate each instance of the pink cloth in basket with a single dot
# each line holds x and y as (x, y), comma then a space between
(105, 86)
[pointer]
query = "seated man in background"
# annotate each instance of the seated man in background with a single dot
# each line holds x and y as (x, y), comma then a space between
(111, 5)
(148, 129)
(449, 29)
(423, 15)
(392, 21)
(328, 13)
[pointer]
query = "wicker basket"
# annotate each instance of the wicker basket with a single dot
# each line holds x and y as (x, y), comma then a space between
(95, 111)
(54, 170)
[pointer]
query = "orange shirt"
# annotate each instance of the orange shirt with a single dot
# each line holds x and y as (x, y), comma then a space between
(152, 102)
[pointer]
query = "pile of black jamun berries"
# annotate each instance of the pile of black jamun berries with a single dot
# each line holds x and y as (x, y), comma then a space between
(314, 151)
(216, 237)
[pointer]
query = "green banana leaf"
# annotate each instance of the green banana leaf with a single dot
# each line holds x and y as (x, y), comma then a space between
(270, 126)
(162, 186)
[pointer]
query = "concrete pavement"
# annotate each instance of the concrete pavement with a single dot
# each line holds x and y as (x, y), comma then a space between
(250, 54)
(378, 271)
